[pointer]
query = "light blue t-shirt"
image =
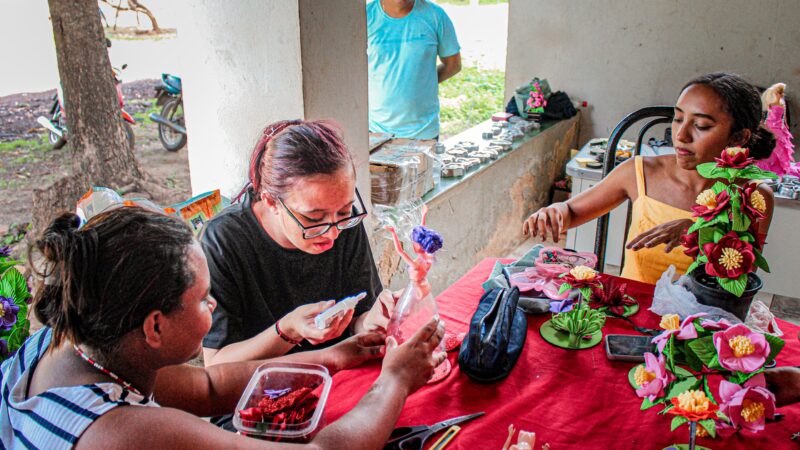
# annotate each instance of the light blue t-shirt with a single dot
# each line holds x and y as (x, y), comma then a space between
(403, 82)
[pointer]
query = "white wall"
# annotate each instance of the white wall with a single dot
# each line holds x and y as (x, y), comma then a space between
(241, 70)
(621, 55)
(27, 46)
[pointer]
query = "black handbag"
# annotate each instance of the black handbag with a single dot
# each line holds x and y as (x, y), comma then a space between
(496, 336)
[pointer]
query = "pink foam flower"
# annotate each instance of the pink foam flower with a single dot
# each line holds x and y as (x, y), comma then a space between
(747, 406)
(653, 377)
(684, 332)
(722, 324)
(740, 349)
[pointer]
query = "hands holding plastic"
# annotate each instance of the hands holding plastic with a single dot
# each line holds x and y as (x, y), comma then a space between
(668, 233)
(413, 361)
(299, 324)
(554, 219)
(377, 318)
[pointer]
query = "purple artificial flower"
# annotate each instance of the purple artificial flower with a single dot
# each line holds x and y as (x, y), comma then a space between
(747, 406)
(740, 349)
(8, 313)
(429, 240)
(559, 306)
(686, 331)
(5, 251)
(653, 377)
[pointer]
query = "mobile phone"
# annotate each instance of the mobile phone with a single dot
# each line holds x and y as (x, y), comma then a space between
(323, 320)
(631, 348)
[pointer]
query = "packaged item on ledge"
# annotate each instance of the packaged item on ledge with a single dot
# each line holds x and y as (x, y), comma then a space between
(283, 402)
(196, 211)
(402, 170)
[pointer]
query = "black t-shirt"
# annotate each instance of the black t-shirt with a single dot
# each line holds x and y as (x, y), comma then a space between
(256, 281)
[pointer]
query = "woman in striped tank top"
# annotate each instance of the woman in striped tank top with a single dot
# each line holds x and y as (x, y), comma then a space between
(125, 303)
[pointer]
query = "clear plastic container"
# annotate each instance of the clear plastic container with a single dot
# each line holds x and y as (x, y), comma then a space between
(276, 376)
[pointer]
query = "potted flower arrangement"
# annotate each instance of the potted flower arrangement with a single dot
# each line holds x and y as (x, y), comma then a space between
(14, 297)
(724, 240)
(708, 348)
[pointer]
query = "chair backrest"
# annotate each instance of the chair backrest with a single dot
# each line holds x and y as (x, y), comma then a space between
(656, 115)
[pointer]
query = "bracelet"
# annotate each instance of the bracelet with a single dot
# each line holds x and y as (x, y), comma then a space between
(284, 336)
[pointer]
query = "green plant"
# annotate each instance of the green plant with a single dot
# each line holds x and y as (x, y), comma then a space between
(469, 98)
(14, 295)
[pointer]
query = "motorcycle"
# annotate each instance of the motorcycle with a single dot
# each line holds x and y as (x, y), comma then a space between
(171, 125)
(57, 127)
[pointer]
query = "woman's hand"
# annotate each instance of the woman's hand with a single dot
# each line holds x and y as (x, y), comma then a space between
(299, 324)
(354, 351)
(553, 218)
(377, 318)
(784, 382)
(412, 363)
(668, 233)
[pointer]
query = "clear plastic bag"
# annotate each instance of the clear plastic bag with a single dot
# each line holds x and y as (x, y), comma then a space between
(674, 298)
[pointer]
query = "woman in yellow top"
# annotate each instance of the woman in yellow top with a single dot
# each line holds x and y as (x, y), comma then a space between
(713, 111)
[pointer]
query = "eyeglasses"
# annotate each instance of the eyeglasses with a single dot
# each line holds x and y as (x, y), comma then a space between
(319, 230)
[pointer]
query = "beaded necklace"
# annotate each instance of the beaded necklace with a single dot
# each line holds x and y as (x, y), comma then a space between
(102, 369)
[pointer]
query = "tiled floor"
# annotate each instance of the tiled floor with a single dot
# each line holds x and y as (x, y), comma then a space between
(786, 308)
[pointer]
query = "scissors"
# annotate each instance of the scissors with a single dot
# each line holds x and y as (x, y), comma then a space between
(408, 438)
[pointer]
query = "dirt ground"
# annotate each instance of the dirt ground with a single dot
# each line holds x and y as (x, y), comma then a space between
(27, 160)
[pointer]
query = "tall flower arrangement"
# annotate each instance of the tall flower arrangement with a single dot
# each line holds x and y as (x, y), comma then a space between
(724, 239)
(708, 348)
(14, 298)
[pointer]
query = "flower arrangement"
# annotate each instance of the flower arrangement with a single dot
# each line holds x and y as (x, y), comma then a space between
(708, 348)
(580, 321)
(14, 298)
(536, 101)
(724, 240)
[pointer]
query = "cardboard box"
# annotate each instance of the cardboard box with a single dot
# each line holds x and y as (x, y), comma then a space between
(401, 170)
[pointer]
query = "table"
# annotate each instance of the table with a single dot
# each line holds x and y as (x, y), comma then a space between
(571, 399)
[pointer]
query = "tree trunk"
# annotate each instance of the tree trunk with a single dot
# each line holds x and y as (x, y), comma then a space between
(100, 154)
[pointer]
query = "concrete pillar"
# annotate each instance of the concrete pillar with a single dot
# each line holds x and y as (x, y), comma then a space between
(249, 63)
(241, 71)
(333, 37)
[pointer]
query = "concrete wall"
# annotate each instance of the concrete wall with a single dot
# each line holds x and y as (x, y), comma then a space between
(482, 217)
(621, 55)
(241, 70)
(333, 40)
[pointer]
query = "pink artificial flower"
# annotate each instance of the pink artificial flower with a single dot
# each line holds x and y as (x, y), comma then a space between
(747, 406)
(653, 378)
(740, 349)
(686, 331)
(722, 324)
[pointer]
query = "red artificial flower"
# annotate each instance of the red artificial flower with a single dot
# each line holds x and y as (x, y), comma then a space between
(753, 202)
(709, 205)
(730, 257)
(613, 295)
(734, 158)
(689, 242)
(581, 276)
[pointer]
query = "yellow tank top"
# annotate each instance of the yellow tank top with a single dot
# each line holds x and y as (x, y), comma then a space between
(648, 264)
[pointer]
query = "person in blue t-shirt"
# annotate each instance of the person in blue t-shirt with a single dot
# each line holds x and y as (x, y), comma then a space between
(404, 37)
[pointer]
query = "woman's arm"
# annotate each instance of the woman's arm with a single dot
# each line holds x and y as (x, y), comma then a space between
(215, 390)
(616, 187)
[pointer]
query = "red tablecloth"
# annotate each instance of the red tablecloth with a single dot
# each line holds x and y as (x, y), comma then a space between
(571, 399)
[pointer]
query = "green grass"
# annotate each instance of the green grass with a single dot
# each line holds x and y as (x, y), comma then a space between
(143, 118)
(469, 98)
(41, 144)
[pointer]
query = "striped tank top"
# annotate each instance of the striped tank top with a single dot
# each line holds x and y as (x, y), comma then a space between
(54, 419)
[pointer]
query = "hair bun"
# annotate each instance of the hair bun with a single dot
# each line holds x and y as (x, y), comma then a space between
(58, 236)
(761, 143)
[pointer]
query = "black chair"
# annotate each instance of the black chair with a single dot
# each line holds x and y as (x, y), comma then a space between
(655, 115)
